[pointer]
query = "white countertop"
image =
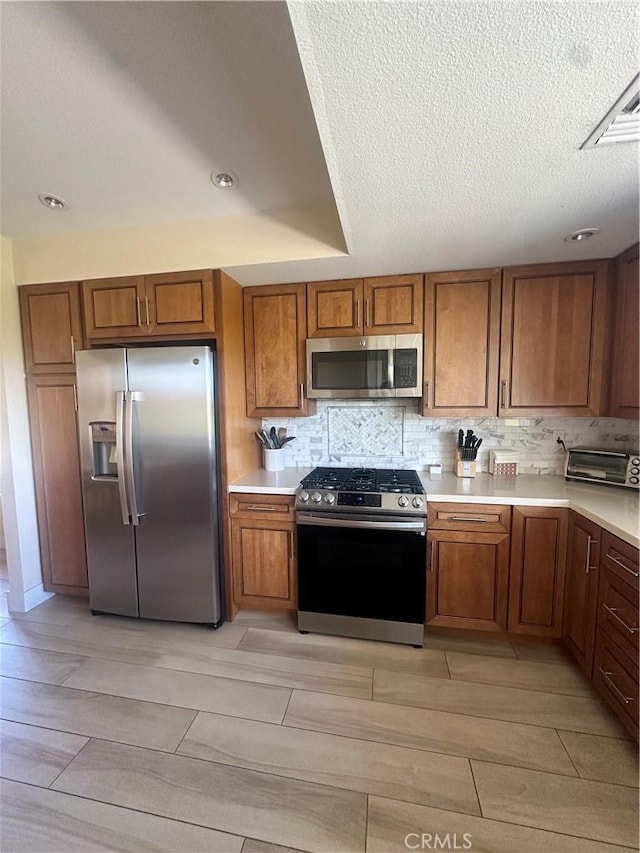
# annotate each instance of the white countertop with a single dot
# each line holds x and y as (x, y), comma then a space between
(263, 482)
(614, 508)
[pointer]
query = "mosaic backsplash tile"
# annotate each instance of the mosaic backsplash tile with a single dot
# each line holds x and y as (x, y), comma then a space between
(365, 431)
(399, 437)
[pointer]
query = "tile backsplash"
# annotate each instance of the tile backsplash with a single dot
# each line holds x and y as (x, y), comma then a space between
(391, 433)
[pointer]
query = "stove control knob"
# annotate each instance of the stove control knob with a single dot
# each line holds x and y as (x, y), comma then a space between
(403, 500)
(303, 497)
(417, 502)
(635, 461)
(329, 498)
(633, 480)
(316, 497)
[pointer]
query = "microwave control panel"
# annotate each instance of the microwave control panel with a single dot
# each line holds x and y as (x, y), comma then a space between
(405, 368)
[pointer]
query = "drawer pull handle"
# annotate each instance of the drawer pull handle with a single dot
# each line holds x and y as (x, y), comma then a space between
(291, 548)
(622, 566)
(433, 555)
(357, 313)
(264, 508)
(426, 395)
(612, 611)
(471, 518)
(607, 677)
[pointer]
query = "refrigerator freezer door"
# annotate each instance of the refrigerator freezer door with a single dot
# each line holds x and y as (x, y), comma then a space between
(110, 542)
(171, 394)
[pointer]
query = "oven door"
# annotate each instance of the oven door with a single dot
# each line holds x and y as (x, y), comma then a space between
(352, 565)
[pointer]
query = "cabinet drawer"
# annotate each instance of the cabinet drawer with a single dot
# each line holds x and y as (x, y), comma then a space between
(616, 677)
(485, 518)
(277, 507)
(618, 612)
(620, 558)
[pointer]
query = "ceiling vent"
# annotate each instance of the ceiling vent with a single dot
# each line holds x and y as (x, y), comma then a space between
(622, 122)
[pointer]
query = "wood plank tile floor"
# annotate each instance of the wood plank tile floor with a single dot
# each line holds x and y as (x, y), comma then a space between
(126, 735)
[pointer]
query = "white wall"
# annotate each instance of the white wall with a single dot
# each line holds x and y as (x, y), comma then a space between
(16, 476)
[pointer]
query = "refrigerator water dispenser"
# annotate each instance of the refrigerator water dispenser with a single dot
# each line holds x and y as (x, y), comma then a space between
(103, 445)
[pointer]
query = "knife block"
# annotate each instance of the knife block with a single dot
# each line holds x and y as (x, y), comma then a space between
(464, 467)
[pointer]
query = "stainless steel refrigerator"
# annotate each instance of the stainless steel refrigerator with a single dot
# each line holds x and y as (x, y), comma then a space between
(149, 478)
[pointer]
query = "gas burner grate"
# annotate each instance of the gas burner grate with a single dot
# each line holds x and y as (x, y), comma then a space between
(399, 481)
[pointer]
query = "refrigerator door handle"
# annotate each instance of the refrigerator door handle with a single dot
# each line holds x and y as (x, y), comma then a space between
(122, 487)
(129, 399)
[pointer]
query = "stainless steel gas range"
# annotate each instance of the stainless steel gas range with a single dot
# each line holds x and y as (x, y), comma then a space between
(362, 554)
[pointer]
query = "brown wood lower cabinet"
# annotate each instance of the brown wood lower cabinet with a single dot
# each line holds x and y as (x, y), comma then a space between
(538, 558)
(54, 442)
(467, 579)
(615, 675)
(581, 589)
(615, 671)
(263, 551)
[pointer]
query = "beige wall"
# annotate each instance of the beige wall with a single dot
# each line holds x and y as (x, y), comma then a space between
(16, 479)
(286, 235)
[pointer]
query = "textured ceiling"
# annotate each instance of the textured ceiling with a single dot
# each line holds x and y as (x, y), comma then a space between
(450, 130)
(125, 108)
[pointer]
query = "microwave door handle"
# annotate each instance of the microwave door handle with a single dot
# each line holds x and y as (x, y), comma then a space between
(129, 399)
(390, 370)
(122, 487)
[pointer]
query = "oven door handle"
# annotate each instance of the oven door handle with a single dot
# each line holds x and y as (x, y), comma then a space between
(400, 526)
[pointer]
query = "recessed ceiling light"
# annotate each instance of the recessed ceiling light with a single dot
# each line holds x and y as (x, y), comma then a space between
(53, 202)
(582, 234)
(224, 180)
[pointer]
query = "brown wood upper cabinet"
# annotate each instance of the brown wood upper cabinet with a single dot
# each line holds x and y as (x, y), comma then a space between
(553, 336)
(274, 339)
(166, 305)
(51, 326)
(391, 305)
(624, 401)
(461, 343)
(537, 572)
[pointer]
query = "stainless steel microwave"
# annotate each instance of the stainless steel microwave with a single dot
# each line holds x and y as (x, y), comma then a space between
(374, 366)
(611, 467)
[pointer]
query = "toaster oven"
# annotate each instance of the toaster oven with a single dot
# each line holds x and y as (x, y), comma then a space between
(609, 467)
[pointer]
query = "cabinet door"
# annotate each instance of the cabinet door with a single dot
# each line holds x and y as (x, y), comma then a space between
(114, 307)
(393, 305)
(624, 388)
(581, 590)
(56, 462)
(335, 308)
(552, 342)
(467, 580)
(274, 339)
(179, 303)
(537, 572)
(461, 343)
(263, 564)
(51, 327)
